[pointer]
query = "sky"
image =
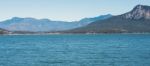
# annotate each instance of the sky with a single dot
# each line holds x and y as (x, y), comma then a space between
(65, 10)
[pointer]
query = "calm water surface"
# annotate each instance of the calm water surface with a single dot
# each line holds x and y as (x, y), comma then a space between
(75, 50)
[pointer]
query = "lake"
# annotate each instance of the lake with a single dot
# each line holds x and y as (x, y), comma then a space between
(75, 50)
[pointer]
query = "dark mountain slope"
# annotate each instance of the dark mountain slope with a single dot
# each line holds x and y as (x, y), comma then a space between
(2, 31)
(135, 21)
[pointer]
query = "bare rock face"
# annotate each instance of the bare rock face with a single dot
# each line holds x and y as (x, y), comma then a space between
(139, 12)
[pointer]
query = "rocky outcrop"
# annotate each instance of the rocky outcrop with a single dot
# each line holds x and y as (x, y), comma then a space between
(139, 12)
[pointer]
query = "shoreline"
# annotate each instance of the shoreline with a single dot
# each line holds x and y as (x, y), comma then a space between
(76, 34)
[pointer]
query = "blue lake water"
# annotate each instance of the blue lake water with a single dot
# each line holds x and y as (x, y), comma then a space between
(75, 50)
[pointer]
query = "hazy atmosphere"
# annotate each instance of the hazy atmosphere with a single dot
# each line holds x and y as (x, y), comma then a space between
(65, 10)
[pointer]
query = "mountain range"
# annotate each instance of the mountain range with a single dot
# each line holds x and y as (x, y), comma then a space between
(44, 25)
(135, 21)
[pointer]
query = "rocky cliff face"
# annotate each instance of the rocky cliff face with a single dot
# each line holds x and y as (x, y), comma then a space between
(139, 12)
(135, 21)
